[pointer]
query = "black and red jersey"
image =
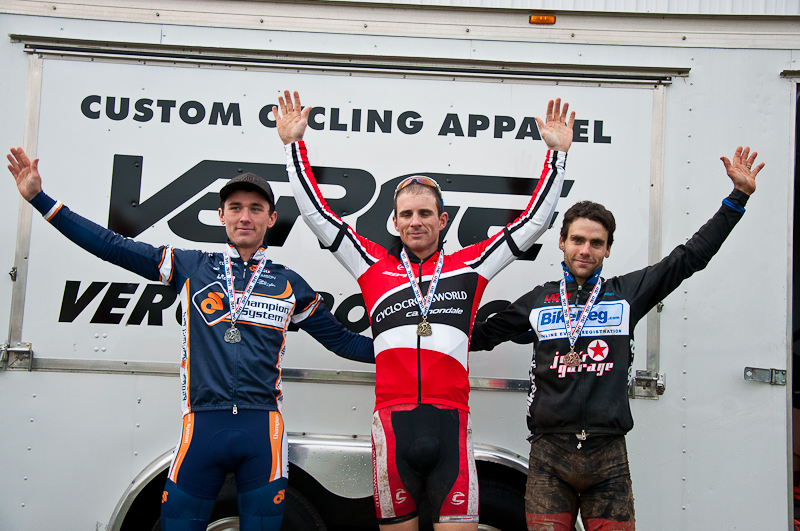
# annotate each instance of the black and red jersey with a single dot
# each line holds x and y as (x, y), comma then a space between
(593, 397)
(409, 368)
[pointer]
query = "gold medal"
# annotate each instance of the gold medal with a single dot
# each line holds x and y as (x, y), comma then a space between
(424, 328)
(572, 359)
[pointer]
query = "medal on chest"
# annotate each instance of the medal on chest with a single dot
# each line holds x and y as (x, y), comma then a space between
(424, 328)
(572, 358)
(232, 334)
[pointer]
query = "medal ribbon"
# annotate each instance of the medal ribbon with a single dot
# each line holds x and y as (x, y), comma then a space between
(236, 309)
(424, 304)
(574, 333)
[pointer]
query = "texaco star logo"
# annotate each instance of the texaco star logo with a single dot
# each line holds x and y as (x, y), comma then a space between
(598, 350)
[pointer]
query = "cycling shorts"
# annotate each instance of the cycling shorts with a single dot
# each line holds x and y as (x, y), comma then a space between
(423, 448)
(252, 444)
(563, 478)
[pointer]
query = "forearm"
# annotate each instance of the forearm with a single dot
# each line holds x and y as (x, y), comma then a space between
(324, 327)
(140, 258)
(538, 215)
(354, 252)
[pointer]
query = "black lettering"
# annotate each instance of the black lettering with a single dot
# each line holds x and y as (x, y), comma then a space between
(128, 217)
(476, 223)
(218, 112)
(166, 108)
(86, 107)
(598, 133)
(385, 122)
(356, 124)
(335, 125)
(409, 127)
(452, 125)
(312, 118)
(580, 131)
(199, 112)
(528, 128)
(112, 300)
(124, 104)
(71, 304)
(154, 300)
(477, 122)
(143, 111)
(263, 116)
(343, 311)
(503, 124)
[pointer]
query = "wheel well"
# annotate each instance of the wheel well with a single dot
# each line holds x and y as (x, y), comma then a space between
(501, 474)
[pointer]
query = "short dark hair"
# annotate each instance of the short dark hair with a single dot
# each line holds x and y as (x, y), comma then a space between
(421, 189)
(592, 211)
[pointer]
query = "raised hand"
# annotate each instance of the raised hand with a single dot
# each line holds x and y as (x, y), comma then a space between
(741, 169)
(25, 172)
(557, 131)
(291, 120)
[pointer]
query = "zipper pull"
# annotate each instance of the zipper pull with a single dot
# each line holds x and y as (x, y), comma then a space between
(235, 410)
(581, 437)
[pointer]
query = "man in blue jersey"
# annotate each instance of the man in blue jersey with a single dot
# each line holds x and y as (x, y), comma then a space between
(236, 306)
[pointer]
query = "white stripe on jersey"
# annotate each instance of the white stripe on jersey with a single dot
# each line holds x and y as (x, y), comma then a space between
(445, 339)
(380, 468)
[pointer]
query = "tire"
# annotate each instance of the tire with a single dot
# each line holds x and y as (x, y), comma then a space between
(299, 515)
(502, 507)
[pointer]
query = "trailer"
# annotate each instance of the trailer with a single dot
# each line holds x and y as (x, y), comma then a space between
(141, 111)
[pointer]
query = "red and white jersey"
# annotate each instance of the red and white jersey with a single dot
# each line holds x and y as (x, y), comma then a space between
(411, 369)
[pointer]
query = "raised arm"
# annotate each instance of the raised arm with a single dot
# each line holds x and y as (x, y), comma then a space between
(646, 287)
(518, 236)
(154, 263)
(354, 252)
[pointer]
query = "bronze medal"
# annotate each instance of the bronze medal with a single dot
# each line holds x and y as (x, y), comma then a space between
(424, 328)
(572, 359)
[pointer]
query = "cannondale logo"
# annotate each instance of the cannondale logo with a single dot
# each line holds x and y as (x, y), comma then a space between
(458, 498)
(400, 495)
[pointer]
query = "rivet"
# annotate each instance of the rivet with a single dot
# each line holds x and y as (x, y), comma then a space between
(684, 398)
(31, 420)
(135, 454)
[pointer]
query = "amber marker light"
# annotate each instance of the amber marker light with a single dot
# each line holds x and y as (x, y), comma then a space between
(542, 19)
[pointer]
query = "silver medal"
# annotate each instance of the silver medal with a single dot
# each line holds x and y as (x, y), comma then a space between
(232, 335)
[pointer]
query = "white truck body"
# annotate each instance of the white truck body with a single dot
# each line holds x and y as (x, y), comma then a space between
(139, 114)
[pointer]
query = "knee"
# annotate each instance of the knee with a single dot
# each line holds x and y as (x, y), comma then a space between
(183, 511)
(268, 500)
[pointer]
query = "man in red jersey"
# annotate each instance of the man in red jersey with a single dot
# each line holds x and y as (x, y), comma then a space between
(421, 305)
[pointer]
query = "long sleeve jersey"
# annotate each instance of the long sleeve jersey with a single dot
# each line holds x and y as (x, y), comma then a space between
(215, 374)
(411, 369)
(592, 397)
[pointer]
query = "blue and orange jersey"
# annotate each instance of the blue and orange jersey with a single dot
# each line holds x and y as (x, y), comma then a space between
(215, 374)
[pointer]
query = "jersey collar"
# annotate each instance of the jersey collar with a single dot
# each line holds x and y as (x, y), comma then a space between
(570, 278)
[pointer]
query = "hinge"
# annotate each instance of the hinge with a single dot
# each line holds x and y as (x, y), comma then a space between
(770, 376)
(648, 385)
(19, 356)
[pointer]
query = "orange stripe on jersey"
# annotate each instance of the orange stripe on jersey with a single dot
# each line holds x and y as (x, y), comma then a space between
(276, 444)
(188, 349)
(55, 212)
(186, 440)
(161, 263)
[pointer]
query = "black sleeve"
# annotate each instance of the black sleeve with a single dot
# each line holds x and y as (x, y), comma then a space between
(504, 325)
(646, 287)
